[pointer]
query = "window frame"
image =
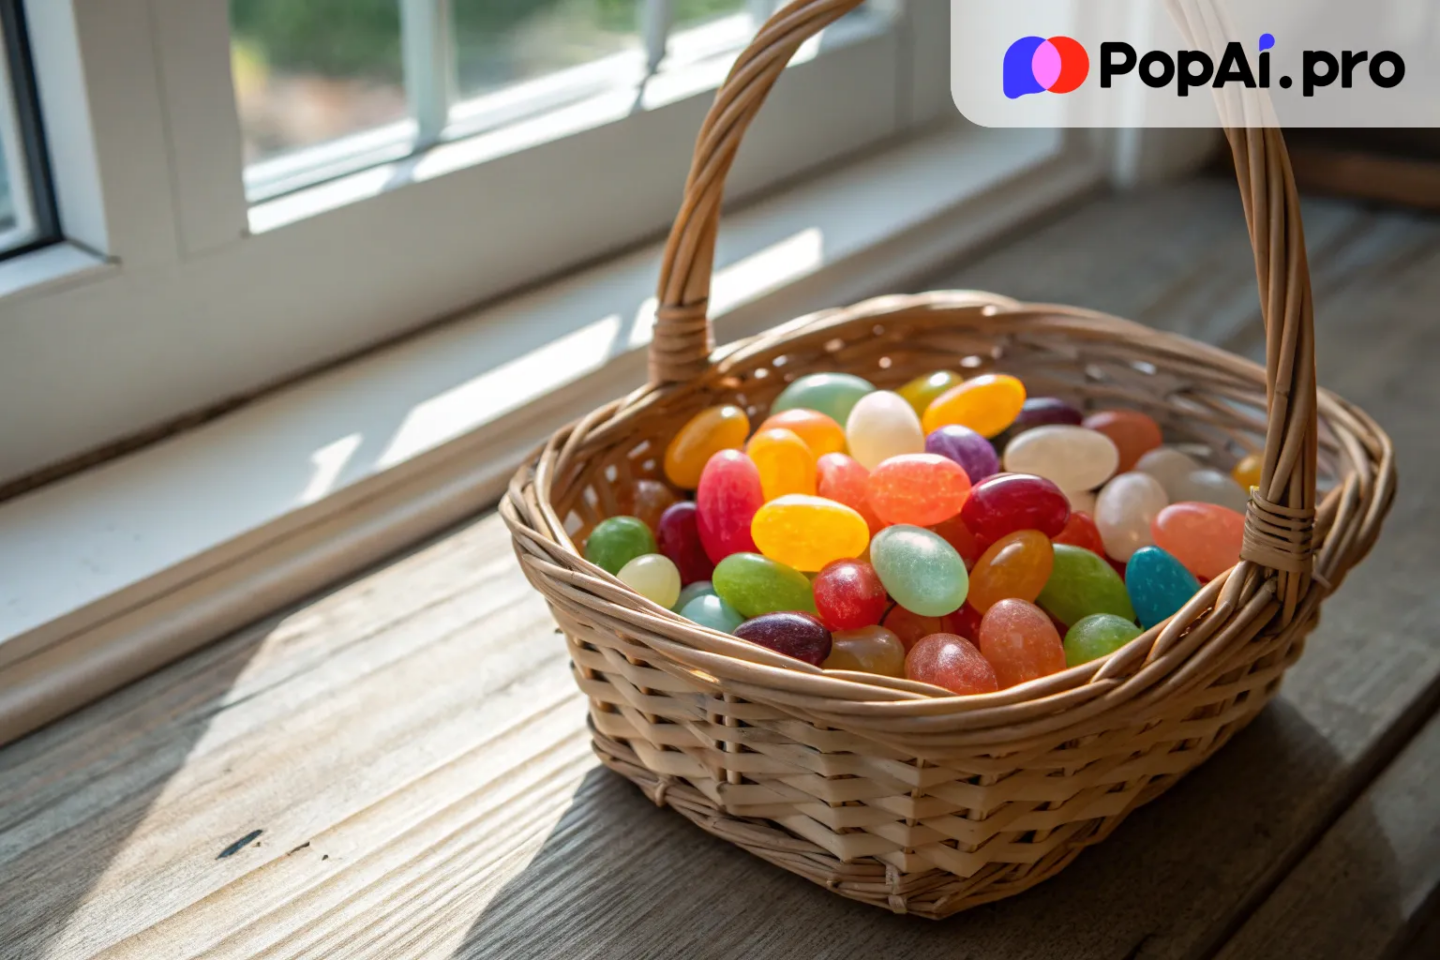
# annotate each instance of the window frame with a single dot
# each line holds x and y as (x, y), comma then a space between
(27, 161)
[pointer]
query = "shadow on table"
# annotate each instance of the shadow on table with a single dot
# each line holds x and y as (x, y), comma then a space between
(619, 878)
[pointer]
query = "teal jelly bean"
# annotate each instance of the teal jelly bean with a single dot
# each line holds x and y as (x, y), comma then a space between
(1082, 583)
(1097, 635)
(700, 588)
(1158, 585)
(618, 540)
(920, 570)
(753, 585)
(833, 394)
(709, 610)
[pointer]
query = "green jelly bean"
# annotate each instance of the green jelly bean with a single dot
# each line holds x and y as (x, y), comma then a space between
(753, 585)
(709, 610)
(833, 394)
(1082, 583)
(1097, 635)
(920, 570)
(618, 540)
(700, 588)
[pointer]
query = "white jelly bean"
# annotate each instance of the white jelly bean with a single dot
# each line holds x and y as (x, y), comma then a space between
(1124, 511)
(883, 425)
(1208, 485)
(1073, 458)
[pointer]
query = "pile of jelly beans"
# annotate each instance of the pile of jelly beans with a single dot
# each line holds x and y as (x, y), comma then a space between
(954, 531)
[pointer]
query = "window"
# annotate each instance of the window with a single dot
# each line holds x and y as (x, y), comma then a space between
(27, 210)
(259, 187)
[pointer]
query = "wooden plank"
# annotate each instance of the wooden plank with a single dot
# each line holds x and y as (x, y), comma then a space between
(1368, 885)
(412, 748)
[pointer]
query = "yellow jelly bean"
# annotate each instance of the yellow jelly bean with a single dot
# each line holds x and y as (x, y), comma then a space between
(820, 433)
(704, 435)
(809, 532)
(987, 405)
(923, 390)
(786, 464)
(1247, 471)
(654, 577)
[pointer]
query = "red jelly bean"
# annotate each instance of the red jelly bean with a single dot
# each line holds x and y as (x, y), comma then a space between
(849, 595)
(1080, 531)
(964, 622)
(955, 533)
(951, 662)
(1008, 502)
(1020, 642)
(917, 488)
(678, 537)
(843, 479)
(911, 627)
(727, 499)
(797, 635)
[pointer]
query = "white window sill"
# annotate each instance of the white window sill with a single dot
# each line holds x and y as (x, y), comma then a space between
(49, 267)
(108, 574)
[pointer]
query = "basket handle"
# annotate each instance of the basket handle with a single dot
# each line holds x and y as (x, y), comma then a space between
(1280, 520)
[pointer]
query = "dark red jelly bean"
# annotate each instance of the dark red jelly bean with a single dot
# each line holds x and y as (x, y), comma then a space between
(797, 635)
(678, 536)
(1015, 501)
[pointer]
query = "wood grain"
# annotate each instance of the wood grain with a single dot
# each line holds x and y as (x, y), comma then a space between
(413, 749)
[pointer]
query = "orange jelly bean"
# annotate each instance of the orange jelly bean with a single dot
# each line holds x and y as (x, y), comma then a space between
(705, 434)
(909, 626)
(917, 488)
(786, 463)
(1206, 538)
(924, 389)
(987, 405)
(1016, 566)
(645, 499)
(951, 662)
(868, 650)
(1247, 471)
(1020, 642)
(820, 433)
(843, 479)
(955, 533)
(1133, 433)
(1081, 531)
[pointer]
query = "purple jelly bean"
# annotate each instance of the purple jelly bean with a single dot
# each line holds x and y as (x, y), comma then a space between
(967, 448)
(797, 635)
(1044, 411)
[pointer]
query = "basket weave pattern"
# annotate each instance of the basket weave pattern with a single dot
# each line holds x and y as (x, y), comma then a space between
(894, 792)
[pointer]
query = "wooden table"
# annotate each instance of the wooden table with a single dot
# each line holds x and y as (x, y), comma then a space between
(400, 768)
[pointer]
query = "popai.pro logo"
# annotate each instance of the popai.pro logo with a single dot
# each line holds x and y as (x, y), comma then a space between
(1037, 65)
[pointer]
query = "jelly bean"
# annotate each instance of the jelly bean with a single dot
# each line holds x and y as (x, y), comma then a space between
(1205, 537)
(618, 540)
(820, 433)
(645, 499)
(842, 479)
(1008, 502)
(967, 448)
(910, 626)
(955, 533)
(786, 463)
(1168, 465)
(654, 577)
(868, 650)
(882, 426)
(1080, 531)
(1158, 585)
(849, 595)
(710, 611)
(1208, 485)
(1096, 636)
(833, 394)
(1124, 511)
(964, 622)
(797, 635)
(1247, 471)
(952, 662)
(917, 488)
(1072, 457)
(808, 532)
(753, 585)
(1082, 583)
(709, 431)
(988, 404)
(920, 570)
(729, 495)
(1044, 411)
(1016, 566)
(1081, 501)
(922, 391)
(1133, 432)
(679, 539)
(693, 591)
(1020, 642)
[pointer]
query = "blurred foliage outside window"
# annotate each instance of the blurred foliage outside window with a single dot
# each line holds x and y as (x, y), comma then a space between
(308, 71)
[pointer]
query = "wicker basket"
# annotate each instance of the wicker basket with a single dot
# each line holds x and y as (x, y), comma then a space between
(893, 792)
